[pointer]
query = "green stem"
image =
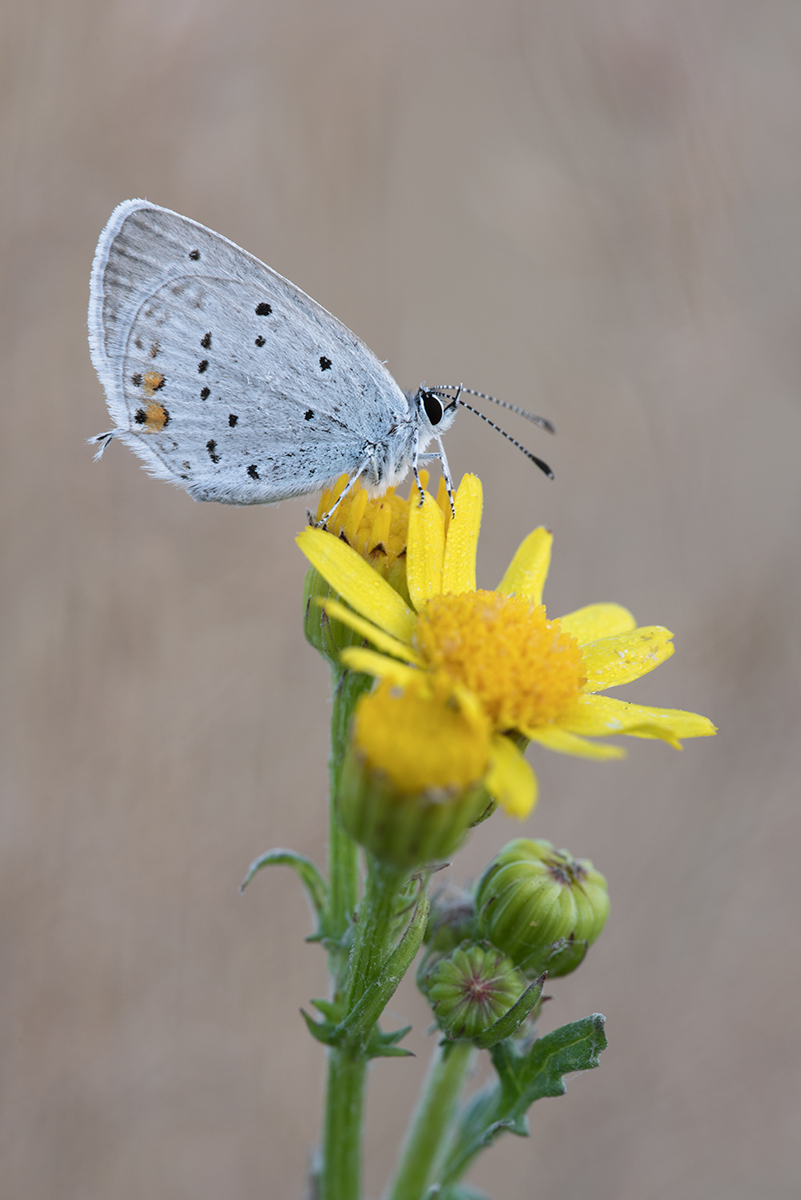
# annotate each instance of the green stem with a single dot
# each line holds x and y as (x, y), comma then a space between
(432, 1120)
(341, 1168)
(341, 1175)
(343, 852)
(377, 922)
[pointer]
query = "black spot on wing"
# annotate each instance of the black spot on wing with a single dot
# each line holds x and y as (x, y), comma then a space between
(211, 446)
(260, 340)
(325, 363)
(140, 416)
(263, 309)
(232, 419)
(194, 255)
(205, 341)
(253, 473)
(136, 380)
(203, 366)
(309, 413)
(205, 393)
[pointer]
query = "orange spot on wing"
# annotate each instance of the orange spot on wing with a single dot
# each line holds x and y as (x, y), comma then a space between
(152, 381)
(156, 417)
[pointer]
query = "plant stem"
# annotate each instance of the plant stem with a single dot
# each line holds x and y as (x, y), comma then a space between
(377, 918)
(432, 1120)
(341, 1167)
(341, 1175)
(343, 853)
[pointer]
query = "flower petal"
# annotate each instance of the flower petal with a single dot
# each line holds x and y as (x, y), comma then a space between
(511, 780)
(380, 639)
(597, 621)
(356, 658)
(461, 543)
(425, 550)
(564, 742)
(528, 570)
(595, 716)
(357, 582)
(614, 660)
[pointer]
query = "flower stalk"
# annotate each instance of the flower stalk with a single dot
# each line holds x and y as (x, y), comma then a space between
(432, 1120)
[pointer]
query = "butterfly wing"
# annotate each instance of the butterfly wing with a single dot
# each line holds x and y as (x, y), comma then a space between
(225, 378)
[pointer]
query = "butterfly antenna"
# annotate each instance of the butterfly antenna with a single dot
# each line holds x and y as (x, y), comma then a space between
(543, 466)
(521, 412)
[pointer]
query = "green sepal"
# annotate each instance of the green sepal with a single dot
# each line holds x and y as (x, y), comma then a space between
(508, 1025)
(525, 1073)
(311, 878)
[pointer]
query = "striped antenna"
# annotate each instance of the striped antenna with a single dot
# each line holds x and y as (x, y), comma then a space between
(543, 466)
(521, 412)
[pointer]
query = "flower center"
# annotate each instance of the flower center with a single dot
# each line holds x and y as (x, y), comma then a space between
(423, 742)
(524, 668)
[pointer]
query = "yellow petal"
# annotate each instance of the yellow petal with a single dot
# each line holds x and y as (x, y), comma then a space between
(597, 621)
(568, 743)
(511, 781)
(615, 660)
(461, 544)
(596, 716)
(356, 658)
(424, 551)
(528, 570)
(380, 639)
(357, 582)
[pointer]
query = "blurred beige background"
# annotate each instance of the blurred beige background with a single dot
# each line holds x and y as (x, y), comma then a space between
(593, 209)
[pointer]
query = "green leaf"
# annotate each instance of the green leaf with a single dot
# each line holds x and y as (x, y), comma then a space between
(358, 1024)
(309, 875)
(525, 1073)
(510, 1022)
(323, 1031)
(383, 1045)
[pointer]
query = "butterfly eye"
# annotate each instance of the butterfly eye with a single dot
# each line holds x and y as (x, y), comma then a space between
(433, 406)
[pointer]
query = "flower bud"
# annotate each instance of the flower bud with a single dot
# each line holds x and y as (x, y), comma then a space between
(411, 783)
(451, 921)
(471, 988)
(541, 906)
(326, 634)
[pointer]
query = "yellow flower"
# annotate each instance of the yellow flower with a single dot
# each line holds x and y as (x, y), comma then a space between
(377, 529)
(412, 780)
(535, 678)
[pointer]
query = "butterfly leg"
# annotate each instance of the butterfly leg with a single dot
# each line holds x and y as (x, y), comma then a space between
(326, 517)
(446, 471)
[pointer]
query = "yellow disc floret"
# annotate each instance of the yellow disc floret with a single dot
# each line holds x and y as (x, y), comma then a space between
(525, 669)
(421, 740)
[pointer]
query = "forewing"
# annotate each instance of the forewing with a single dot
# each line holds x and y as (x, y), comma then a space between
(221, 374)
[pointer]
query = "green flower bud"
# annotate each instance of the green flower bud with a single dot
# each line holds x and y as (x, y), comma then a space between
(541, 906)
(471, 988)
(451, 921)
(411, 783)
(323, 632)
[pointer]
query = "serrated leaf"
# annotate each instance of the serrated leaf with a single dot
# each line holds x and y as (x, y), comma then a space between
(525, 1073)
